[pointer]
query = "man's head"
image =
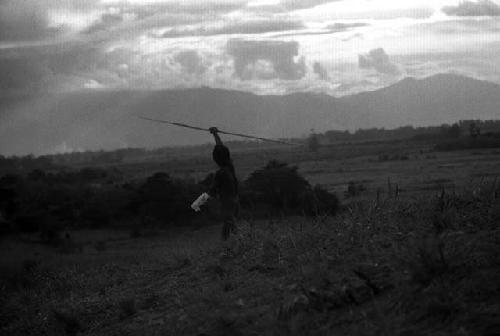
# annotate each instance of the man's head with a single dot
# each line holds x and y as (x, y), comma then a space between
(221, 156)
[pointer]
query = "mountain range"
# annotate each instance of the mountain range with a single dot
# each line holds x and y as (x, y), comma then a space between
(103, 119)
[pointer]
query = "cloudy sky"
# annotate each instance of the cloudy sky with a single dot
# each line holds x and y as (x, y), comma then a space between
(264, 46)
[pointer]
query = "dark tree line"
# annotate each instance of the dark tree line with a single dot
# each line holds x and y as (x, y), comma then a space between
(468, 128)
(94, 198)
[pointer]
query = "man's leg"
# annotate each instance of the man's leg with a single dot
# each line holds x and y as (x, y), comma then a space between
(228, 227)
(225, 230)
(229, 213)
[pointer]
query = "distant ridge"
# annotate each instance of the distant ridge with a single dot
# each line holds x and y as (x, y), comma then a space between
(107, 119)
(442, 98)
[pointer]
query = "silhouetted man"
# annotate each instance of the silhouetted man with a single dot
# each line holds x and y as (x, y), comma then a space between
(225, 186)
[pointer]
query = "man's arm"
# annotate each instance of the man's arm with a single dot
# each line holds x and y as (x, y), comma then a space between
(212, 191)
(215, 133)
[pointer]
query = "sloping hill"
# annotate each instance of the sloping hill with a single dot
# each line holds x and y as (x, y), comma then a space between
(107, 119)
(431, 101)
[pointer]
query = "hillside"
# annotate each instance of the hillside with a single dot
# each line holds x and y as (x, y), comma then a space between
(431, 101)
(107, 119)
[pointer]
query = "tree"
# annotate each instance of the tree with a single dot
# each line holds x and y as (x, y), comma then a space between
(277, 185)
(313, 142)
(280, 187)
(474, 130)
(455, 131)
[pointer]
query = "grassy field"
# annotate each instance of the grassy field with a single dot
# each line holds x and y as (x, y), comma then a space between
(411, 166)
(420, 261)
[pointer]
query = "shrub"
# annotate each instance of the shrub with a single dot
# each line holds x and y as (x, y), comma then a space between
(37, 175)
(166, 199)
(10, 180)
(279, 187)
(313, 143)
(354, 189)
(320, 202)
(95, 214)
(277, 184)
(428, 261)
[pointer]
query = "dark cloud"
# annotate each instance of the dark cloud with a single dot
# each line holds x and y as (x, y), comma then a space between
(144, 17)
(470, 8)
(243, 27)
(303, 4)
(341, 27)
(23, 75)
(320, 71)
(290, 5)
(206, 9)
(418, 12)
(23, 21)
(28, 20)
(304, 33)
(51, 64)
(190, 61)
(266, 59)
(38, 70)
(378, 59)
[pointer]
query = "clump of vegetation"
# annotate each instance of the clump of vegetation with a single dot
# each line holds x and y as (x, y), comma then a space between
(166, 199)
(313, 142)
(278, 185)
(49, 203)
(93, 198)
(354, 189)
(279, 188)
(320, 202)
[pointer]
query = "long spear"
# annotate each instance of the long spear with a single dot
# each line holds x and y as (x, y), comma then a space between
(220, 131)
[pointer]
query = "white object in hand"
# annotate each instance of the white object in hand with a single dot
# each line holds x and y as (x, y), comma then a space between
(200, 201)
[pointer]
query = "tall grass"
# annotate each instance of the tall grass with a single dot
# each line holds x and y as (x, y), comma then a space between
(425, 266)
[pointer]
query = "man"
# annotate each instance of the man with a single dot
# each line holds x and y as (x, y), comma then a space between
(225, 186)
